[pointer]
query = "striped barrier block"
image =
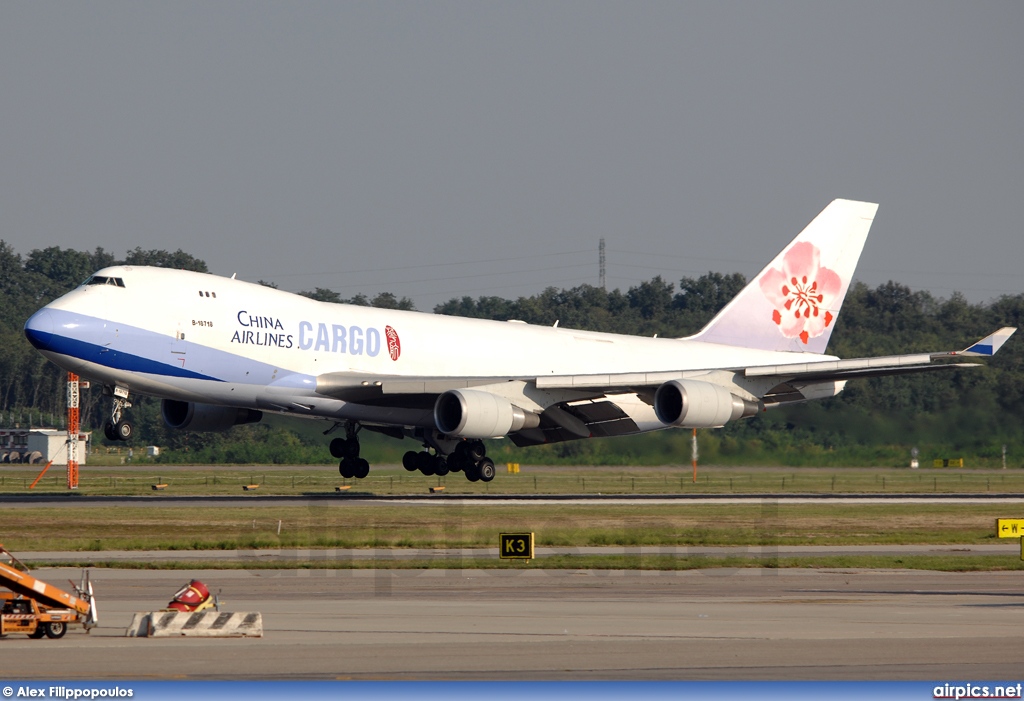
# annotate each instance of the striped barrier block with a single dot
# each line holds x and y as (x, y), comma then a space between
(199, 624)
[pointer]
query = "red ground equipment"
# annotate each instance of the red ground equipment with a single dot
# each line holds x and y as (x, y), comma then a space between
(194, 596)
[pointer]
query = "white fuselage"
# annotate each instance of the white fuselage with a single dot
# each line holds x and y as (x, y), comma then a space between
(203, 338)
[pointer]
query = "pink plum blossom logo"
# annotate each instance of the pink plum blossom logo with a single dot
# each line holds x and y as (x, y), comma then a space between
(802, 292)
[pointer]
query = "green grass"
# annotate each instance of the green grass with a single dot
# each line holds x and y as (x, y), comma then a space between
(450, 524)
(392, 480)
(346, 523)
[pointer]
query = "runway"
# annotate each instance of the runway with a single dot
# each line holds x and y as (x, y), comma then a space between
(568, 624)
(556, 501)
(1010, 549)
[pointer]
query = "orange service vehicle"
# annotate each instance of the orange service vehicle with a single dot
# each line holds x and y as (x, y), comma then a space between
(34, 608)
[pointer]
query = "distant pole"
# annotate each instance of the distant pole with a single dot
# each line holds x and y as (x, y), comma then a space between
(693, 453)
(1004, 456)
(600, 264)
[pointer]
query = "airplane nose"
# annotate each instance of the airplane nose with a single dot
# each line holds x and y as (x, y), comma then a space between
(39, 329)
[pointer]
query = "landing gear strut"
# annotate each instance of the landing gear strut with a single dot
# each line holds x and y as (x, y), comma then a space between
(347, 449)
(116, 427)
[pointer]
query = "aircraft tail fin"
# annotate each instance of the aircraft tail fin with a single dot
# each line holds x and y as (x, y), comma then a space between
(793, 303)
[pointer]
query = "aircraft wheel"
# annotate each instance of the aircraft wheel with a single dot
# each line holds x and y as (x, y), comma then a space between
(345, 468)
(124, 430)
(56, 629)
(486, 469)
(39, 632)
(109, 432)
(361, 468)
(409, 461)
(472, 472)
(456, 462)
(440, 466)
(476, 450)
(345, 448)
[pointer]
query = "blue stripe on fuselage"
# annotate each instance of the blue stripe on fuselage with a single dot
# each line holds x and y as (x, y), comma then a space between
(107, 357)
(133, 349)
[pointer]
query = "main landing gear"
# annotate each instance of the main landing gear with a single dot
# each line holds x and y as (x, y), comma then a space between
(468, 457)
(449, 455)
(347, 449)
(117, 428)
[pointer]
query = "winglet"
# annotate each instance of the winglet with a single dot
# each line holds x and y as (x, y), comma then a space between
(990, 344)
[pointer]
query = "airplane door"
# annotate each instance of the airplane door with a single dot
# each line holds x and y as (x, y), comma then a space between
(178, 347)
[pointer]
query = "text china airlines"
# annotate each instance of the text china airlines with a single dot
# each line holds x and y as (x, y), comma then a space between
(330, 338)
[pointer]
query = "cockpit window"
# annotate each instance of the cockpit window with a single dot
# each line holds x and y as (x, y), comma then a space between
(103, 280)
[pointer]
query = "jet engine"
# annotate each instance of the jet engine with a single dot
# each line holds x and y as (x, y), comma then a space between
(205, 417)
(475, 414)
(696, 404)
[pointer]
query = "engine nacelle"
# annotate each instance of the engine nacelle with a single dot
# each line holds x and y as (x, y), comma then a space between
(696, 404)
(475, 414)
(205, 417)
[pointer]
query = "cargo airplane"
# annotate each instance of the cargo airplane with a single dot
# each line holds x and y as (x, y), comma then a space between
(219, 352)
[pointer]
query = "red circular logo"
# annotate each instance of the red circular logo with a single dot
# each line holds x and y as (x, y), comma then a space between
(394, 345)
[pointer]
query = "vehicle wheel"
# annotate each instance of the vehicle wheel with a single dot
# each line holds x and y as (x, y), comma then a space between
(409, 461)
(361, 468)
(472, 472)
(425, 462)
(56, 629)
(337, 448)
(345, 468)
(38, 632)
(440, 466)
(124, 430)
(486, 469)
(109, 432)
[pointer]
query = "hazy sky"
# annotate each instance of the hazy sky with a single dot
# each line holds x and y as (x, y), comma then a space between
(438, 149)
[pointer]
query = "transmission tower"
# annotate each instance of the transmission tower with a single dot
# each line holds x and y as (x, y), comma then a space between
(600, 264)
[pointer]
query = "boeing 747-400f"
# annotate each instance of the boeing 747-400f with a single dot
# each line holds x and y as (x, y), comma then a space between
(220, 351)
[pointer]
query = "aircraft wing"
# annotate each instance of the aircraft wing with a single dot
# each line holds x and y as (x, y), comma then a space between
(816, 371)
(574, 406)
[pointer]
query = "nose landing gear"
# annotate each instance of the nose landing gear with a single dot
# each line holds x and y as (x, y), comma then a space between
(117, 428)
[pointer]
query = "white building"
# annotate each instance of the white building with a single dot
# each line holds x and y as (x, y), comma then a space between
(39, 446)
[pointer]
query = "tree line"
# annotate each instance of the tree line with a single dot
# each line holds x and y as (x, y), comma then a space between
(973, 412)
